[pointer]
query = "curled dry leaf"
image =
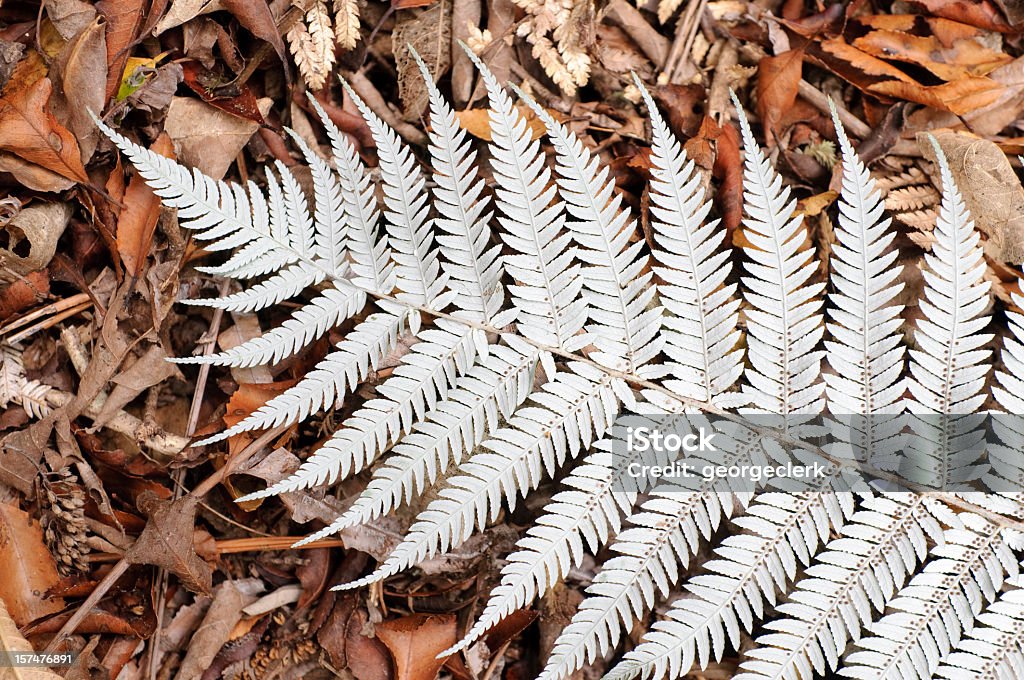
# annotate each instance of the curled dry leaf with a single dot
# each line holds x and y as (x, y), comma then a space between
(990, 189)
(81, 72)
(415, 641)
(41, 225)
(958, 57)
(28, 568)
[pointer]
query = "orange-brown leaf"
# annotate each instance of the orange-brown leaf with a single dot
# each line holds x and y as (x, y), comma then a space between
(137, 222)
(959, 58)
(862, 61)
(414, 641)
(30, 132)
(777, 81)
(959, 96)
(477, 122)
(28, 567)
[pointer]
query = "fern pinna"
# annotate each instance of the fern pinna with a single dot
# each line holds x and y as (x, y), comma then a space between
(539, 321)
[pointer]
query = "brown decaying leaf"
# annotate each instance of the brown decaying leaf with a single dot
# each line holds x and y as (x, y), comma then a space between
(777, 80)
(137, 222)
(255, 15)
(28, 568)
(207, 138)
(344, 637)
(12, 641)
(990, 189)
(415, 641)
(167, 541)
(429, 32)
(30, 132)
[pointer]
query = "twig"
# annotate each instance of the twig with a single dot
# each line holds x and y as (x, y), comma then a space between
(208, 484)
(46, 310)
(368, 92)
(95, 596)
(190, 429)
(819, 100)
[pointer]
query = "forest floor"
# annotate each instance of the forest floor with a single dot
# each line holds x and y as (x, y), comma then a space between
(123, 544)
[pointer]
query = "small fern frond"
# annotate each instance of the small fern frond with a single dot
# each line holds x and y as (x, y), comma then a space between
(856, 575)
(371, 257)
(214, 210)
(701, 333)
(340, 371)
(283, 285)
(949, 369)
(288, 222)
(424, 376)
(624, 324)
(548, 296)
(487, 394)
(306, 324)
(932, 612)
(866, 350)
(566, 415)
(329, 223)
(405, 214)
(784, 323)
(473, 264)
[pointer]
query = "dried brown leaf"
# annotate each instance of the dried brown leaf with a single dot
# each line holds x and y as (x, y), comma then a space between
(137, 222)
(167, 541)
(28, 567)
(30, 132)
(777, 80)
(429, 32)
(990, 189)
